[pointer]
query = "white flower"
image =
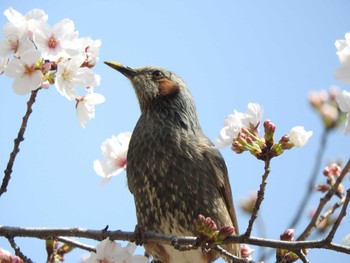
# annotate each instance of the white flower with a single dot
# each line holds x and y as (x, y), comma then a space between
(343, 100)
(15, 41)
(343, 52)
(298, 136)
(231, 129)
(237, 121)
(27, 77)
(70, 75)
(56, 41)
(115, 150)
(86, 107)
(108, 251)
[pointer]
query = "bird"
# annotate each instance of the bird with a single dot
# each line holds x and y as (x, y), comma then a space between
(173, 170)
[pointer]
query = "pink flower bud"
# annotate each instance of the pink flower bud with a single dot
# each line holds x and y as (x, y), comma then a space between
(246, 252)
(288, 235)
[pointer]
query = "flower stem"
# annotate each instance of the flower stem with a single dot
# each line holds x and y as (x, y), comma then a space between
(259, 199)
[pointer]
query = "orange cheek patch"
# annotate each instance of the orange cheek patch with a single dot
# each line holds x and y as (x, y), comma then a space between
(168, 87)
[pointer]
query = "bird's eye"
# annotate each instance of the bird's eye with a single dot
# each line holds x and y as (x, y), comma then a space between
(157, 74)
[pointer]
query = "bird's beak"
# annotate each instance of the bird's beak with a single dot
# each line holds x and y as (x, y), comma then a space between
(126, 71)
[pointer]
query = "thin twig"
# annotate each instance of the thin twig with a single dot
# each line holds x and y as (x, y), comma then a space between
(18, 251)
(260, 198)
(227, 254)
(312, 225)
(17, 142)
(342, 214)
(301, 256)
(330, 210)
(76, 244)
(312, 181)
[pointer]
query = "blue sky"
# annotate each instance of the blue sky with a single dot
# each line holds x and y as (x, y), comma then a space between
(230, 53)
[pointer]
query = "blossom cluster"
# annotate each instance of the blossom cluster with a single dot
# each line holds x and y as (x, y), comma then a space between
(241, 130)
(325, 104)
(38, 55)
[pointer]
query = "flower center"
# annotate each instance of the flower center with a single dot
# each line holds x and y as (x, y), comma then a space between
(29, 69)
(121, 162)
(67, 75)
(52, 42)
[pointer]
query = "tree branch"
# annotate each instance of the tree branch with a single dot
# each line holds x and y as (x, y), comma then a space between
(152, 237)
(342, 214)
(17, 142)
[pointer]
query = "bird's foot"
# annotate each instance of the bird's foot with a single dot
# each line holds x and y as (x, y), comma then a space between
(139, 234)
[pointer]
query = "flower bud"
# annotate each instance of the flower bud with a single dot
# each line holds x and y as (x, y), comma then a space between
(269, 131)
(206, 226)
(322, 188)
(288, 235)
(246, 252)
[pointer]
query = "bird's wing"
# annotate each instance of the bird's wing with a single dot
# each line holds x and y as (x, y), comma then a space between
(222, 181)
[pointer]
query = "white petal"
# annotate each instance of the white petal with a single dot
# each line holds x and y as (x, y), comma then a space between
(14, 68)
(343, 100)
(255, 113)
(30, 57)
(299, 136)
(94, 98)
(14, 16)
(124, 138)
(25, 84)
(64, 27)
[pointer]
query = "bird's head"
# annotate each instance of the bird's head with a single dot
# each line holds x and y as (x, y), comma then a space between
(158, 89)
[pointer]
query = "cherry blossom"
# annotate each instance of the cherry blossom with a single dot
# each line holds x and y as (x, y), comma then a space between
(37, 55)
(108, 251)
(246, 251)
(24, 70)
(298, 136)
(70, 75)
(343, 52)
(86, 107)
(56, 41)
(115, 150)
(237, 121)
